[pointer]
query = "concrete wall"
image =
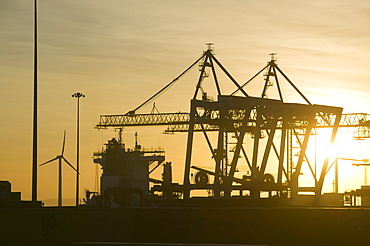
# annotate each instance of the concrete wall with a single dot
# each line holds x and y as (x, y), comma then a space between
(335, 226)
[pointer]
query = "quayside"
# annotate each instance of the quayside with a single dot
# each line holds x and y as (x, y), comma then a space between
(267, 226)
(265, 203)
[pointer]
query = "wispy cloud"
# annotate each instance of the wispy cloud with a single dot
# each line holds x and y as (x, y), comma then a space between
(120, 52)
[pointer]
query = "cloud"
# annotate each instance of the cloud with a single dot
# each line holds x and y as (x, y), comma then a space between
(121, 52)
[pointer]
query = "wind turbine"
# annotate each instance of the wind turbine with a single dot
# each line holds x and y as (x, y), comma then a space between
(60, 158)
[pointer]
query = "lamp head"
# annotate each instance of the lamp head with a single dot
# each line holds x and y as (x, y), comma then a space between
(78, 95)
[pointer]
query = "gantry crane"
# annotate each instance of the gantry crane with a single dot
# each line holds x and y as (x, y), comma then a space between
(280, 122)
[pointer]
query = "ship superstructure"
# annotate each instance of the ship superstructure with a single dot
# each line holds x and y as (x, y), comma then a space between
(125, 178)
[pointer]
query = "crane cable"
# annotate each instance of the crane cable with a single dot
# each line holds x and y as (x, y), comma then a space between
(132, 112)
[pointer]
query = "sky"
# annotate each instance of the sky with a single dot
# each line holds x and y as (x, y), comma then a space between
(119, 53)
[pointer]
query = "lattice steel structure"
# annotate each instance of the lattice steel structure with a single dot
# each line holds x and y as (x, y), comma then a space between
(279, 122)
(179, 122)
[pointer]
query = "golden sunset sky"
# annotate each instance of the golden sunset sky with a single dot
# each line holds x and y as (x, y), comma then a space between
(119, 53)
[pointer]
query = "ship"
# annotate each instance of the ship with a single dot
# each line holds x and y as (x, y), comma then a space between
(264, 205)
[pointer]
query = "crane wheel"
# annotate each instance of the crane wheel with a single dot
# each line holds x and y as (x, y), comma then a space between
(268, 178)
(201, 178)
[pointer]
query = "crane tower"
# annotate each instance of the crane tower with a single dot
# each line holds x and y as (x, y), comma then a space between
(274, 126)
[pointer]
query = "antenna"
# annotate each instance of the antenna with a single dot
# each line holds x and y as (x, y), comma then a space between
(210, 46)
(273, 56)
(154, 109)
(120, 130)
(137, 146)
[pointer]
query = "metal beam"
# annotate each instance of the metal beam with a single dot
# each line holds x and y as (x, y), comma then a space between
(178, 122)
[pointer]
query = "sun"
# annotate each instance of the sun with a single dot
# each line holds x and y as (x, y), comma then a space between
(345, 151)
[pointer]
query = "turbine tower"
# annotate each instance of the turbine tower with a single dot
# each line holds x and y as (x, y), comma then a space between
(60, 158)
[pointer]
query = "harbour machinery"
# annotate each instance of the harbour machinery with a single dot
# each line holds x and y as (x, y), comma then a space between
(279, 132)
(268, 136)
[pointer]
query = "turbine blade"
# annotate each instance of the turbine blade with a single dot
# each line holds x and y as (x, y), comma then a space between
(56, 158)
(64, 141)
(70, 164)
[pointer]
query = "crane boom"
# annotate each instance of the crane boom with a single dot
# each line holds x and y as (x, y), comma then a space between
(178, 122)
(143, 120)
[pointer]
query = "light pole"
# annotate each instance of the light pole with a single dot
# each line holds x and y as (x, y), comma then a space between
(35, 110)
(78, 95)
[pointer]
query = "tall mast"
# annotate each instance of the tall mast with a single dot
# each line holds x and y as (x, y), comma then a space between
(34, 152)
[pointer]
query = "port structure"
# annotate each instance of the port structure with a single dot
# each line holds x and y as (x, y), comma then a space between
(125, 179)
(277, 129)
